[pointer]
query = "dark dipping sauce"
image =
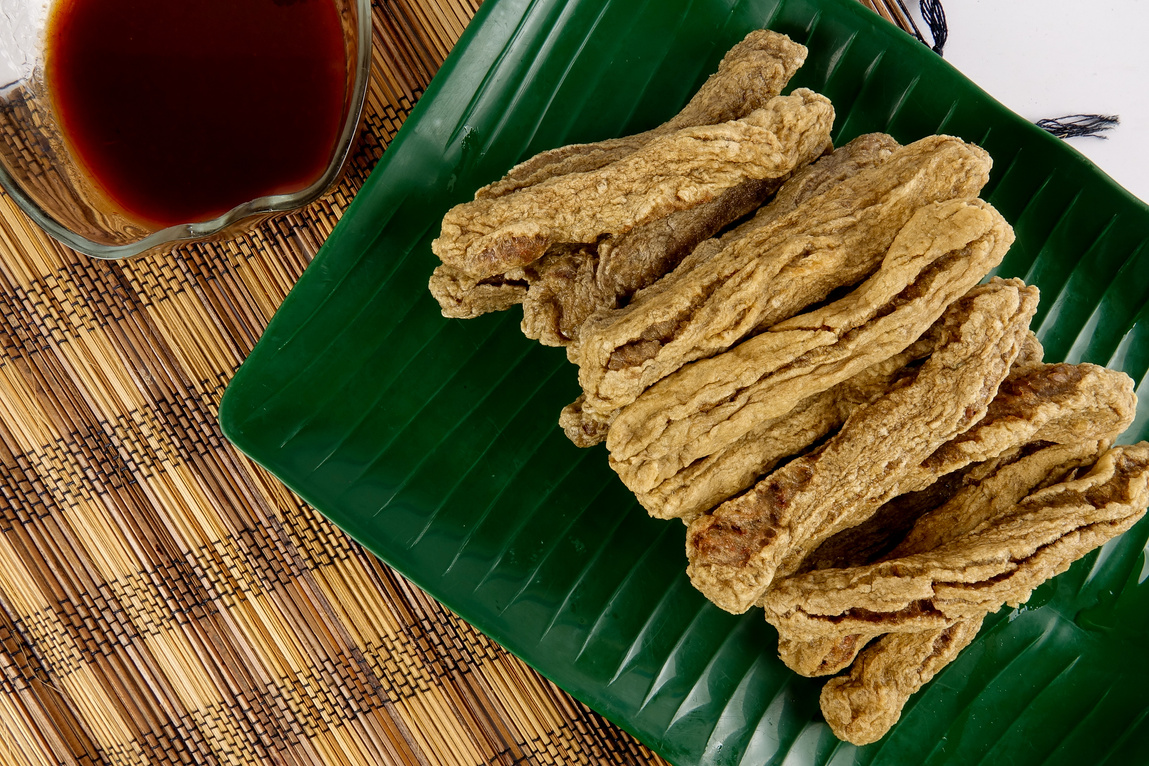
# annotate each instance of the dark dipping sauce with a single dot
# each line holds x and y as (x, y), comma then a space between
(179, 110)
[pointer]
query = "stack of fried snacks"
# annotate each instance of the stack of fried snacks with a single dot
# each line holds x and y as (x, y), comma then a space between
(582, 228)
(860, 436)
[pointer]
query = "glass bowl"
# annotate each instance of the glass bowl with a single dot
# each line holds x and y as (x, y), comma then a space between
(40, 173)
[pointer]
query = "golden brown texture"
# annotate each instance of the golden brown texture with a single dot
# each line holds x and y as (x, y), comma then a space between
(462, 297)
(1044, 421)
(1038, 407)
(583, 431)
(997, 494)
(947, 511)
(565, 285)
(702, 308)
(905, 449)
(736, 552)
(676, 171)
(871, 540)
(707, 482)
(862, 706)
(1031, 354)
(565, 290)
(863, 152)
(1060, 403)
(998, 564)
(943, 251)
(750, 74)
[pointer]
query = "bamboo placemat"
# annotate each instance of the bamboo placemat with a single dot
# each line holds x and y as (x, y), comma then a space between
(165, 601)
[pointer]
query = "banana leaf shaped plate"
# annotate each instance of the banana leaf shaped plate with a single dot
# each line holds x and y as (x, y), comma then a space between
(434, 442)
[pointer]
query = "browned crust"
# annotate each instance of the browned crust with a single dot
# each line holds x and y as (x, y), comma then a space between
(832, 240)
(943, 251)
(952, 510)
(998, 564)
(565, 290)
(863, 705)
(863, 152)
(736, 552)
(677, 171)
(750, 74)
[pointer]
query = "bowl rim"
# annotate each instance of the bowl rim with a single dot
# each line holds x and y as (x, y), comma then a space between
(260, 206)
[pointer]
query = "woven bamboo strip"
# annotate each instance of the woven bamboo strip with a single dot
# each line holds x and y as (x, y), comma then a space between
(890, 11)
(27, 710)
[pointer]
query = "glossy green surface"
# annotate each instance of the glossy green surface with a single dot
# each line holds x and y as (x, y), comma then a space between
(434, 442)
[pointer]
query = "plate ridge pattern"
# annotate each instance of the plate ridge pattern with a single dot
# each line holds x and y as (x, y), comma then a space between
(411, 395)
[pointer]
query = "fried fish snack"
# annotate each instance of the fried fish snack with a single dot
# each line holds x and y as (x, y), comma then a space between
(564, 291)
(866, 151)
(1038, 404)
(750, 74)
(1056, 403)
(736, 552)
(682, 169)
(862, 706)
(998, 564)
(943, 251)
(863, 152)
(704, 307)
(826, 173)
(1067, 413)
(461, 296)
(707, 482)
(962, 509)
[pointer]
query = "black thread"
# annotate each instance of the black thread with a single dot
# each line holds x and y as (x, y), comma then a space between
(935, 18)
(913, 24)
(1079, 125)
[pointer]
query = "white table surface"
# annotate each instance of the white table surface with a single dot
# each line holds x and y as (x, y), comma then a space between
(1051, 58)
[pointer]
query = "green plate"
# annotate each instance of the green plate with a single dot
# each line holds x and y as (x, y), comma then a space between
(434, 442)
